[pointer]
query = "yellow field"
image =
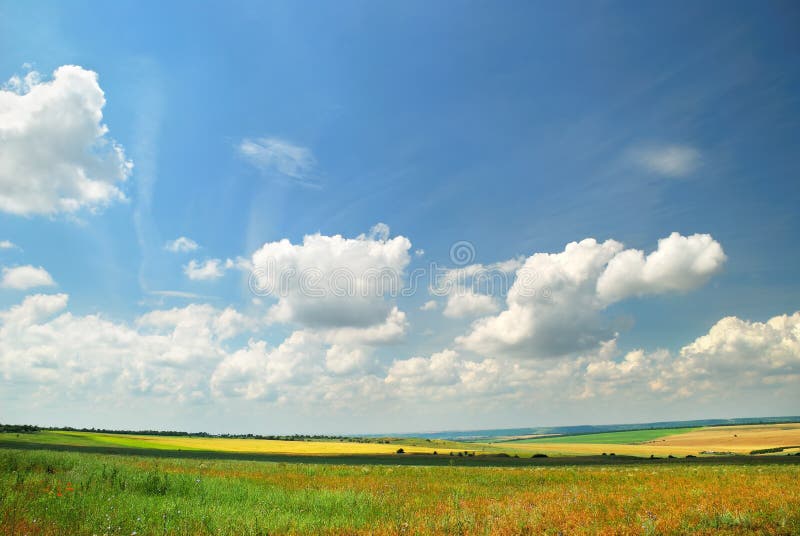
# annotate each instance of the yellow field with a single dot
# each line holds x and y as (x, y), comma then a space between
(256, 446)
(737, 439)
(586, 449)
(740, 439)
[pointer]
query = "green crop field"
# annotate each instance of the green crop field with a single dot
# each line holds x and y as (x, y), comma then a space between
(610, 438)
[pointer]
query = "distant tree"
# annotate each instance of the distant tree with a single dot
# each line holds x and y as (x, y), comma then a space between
(401, 451)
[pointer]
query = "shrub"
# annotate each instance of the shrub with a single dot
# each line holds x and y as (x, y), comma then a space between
(401, 451)
(540, 455)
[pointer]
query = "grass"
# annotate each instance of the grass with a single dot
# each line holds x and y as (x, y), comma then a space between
(611, 438)
(78, 493)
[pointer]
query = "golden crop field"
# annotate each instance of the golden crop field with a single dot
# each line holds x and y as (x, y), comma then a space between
(723, 439)
(252, 446)
(739, 439)
(270, 446)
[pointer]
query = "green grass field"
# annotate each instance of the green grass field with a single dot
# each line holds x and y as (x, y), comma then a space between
(54, 493)
(610, 438)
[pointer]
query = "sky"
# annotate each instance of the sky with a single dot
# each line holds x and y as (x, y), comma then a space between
(361, 217)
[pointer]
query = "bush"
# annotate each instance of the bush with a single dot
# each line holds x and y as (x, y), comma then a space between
(401, 451)
(539, 455)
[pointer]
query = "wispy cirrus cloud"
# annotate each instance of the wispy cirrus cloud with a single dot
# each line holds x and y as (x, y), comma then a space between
(280, 159)
(673, 161)
(181, 245)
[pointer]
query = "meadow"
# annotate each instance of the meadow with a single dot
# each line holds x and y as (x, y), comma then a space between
(67, 482)
(57, 493)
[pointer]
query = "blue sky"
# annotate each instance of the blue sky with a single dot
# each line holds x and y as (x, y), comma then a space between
(518, 127)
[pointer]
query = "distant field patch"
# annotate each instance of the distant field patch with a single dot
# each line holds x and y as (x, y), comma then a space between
(738, 438)
(612, 438)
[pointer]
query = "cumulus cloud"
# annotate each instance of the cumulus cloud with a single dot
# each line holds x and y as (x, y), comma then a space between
(734, 356)
(56, 156)
(680, 263)
(206, 270)
(25, 277)
(191, 353)
(279, 158)
(440, 368)
(735, 359)
(553, 308)
(667, 160)
(7, 244)
(429, 305)
(330, 281)
(307, 359)
(465, 302)
(181, 245)
(169, 353)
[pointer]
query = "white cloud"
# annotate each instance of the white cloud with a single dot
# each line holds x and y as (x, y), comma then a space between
(56, 156)
(553, 308)
(207, 270)
(343, 361)
(306, 360)
(429, 305)
(169, 353)
(181, 244)
(439, 369)
(260, 372)
(330, 281)
(464, 302)
(737, 360)
(25, 277)
(668, 160)
(7, 244)
(391, 330)
(183, 354)
(680, 263)
(733, 357)
(280, 159)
